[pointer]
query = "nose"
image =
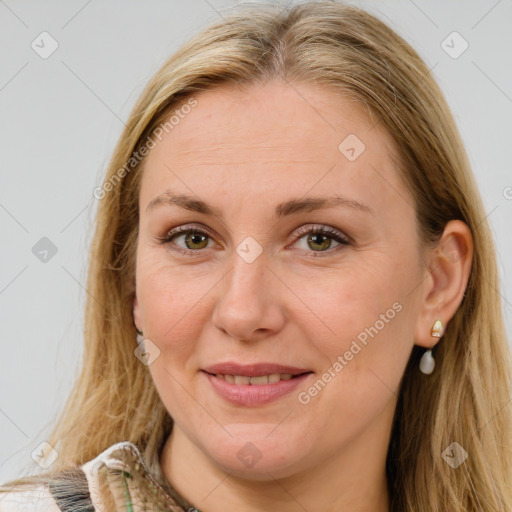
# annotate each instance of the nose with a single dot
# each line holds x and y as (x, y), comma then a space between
(248, 305)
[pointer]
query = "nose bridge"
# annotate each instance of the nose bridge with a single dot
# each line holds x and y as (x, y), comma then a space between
(249, 269)
(249, 258)
(247, 303)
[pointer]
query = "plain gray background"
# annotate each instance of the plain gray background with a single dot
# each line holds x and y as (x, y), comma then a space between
(61, 116)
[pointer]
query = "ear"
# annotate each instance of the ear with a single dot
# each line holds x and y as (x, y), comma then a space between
(444, 287)
(136, 313)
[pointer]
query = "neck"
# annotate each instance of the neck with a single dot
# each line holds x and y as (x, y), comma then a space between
(347, 481)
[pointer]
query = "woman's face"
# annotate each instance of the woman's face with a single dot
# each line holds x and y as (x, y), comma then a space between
(257, 286)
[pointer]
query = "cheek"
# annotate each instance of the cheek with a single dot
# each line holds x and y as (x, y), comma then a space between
(340, 303)
(171, 301)
(360, 316)
(171, 304)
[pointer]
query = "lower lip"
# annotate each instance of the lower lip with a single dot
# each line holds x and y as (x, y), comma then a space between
(249, 395)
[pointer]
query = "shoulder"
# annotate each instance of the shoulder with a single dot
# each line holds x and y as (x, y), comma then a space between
(36, 498)
(71, 488)
(115, 459)
(125, 477)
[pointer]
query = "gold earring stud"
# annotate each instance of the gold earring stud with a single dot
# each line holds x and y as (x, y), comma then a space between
(437, 329)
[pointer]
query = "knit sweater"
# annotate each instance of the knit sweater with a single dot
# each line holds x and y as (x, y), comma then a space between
(118, 479)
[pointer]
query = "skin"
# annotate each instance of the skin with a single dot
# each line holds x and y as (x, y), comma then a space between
(244, 151)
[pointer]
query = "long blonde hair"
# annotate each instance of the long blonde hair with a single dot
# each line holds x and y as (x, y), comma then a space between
(464, 400)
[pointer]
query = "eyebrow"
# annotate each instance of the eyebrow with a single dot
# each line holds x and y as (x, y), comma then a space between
(281, 210)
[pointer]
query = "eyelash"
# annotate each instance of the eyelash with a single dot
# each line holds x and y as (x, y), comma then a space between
(319, 229)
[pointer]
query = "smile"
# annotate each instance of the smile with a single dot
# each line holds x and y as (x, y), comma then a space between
(255, 381)
(245, 391)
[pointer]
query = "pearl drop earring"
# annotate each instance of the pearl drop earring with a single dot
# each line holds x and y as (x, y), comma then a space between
(427, 363)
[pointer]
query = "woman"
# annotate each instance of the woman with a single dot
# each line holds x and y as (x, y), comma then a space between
(290, 230)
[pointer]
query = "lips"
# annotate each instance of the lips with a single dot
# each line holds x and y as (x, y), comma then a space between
(254, 384)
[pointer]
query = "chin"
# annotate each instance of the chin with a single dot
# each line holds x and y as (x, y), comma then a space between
(252, 453)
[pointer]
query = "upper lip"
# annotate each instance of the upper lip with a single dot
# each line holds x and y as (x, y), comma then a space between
(253, 370)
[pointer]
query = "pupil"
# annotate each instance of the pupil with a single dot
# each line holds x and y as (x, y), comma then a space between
(323, 238)
(195, 238)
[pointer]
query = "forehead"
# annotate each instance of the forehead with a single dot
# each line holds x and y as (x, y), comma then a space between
(275, 140)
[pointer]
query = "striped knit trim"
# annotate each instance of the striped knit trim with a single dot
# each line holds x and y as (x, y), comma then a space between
(77, 501)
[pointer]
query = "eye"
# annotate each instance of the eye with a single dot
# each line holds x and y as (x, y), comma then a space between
(194, 239)
(319, 238)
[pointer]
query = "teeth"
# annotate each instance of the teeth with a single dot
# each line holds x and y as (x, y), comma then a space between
(242, 379)
(255, 381)
(263, 379)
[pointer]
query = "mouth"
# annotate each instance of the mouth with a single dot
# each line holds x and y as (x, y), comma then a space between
(263, 369)
(254, 385)
(241, 380)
